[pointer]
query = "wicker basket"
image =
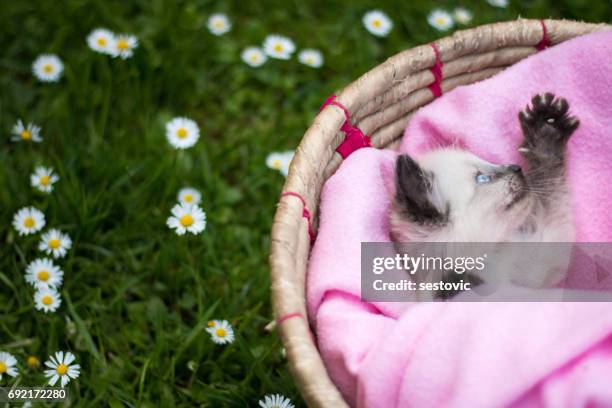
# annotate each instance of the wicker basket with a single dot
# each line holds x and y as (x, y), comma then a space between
(380, 104)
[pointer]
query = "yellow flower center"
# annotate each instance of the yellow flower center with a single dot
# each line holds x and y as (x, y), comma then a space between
(48, 68)
(210, 323)
(26, 135)
(377, 23)
(54, 243)
(43, 276)
(62, 369)
(33, 362)
(2, 367)
(47, 300)
(188, 198)
(186, 220)
(276, 164)
(101, 41)
(29, 222)
(440, 21)
(44, 180)
(254, 58)
(122, 44)
(278, 48)
(221, 332)
(182, 133)
(218, 24)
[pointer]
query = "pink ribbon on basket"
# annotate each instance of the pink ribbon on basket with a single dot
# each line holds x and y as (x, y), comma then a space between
(305, 213)
(355, 139)
(545, 42)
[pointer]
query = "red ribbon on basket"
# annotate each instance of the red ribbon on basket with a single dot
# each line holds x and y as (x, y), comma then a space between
(280, 320)
(305, 213)
(436, 86)
(545, 43)
(288, 316)
(355, 139)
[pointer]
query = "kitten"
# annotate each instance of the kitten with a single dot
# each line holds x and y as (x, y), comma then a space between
(451, 195)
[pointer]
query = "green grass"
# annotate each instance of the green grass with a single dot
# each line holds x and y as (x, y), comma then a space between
(136, 296)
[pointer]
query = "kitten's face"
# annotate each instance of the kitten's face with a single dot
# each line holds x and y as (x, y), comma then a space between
(471, 185)
(461, 198)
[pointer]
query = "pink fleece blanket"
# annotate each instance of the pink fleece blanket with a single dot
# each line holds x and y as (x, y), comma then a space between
(472, 354)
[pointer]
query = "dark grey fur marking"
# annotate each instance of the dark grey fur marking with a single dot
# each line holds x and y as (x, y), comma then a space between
(413, 186)
(547, 127)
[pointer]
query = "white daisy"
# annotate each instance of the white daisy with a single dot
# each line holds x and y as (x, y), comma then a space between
(43, 179)
(274, 160)
(56, 243)
(219, 24)
(286, 162)
(440, 20)
(101, 40)
(312, 58)
(28, 220)
(462, 15)
(47, 299)
(33, 362)
(189, 195)
(253, 56)
(377, 23)
(43, 273)
(221, 332)
(275, 401)
(498, 3)
(280, 161)
(187, 217)
(123, 46)
(48, 68)
(61, 367)
(31, 132)
(278, 46)
(7, 364)
(182, 133)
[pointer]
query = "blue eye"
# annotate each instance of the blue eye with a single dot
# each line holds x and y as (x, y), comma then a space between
(482, 178)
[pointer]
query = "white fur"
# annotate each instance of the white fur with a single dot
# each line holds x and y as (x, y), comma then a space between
(480, 213)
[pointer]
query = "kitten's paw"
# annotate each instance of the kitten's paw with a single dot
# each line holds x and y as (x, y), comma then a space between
(548, 117)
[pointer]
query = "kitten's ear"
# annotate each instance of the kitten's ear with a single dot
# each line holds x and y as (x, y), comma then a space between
(387, 173)
(413, 191)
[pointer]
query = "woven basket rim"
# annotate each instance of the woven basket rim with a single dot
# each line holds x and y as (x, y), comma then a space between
(381, 100)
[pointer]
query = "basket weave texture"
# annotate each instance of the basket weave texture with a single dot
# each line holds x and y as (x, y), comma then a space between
(380, 103)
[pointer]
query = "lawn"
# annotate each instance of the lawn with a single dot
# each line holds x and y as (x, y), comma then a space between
(136, 296)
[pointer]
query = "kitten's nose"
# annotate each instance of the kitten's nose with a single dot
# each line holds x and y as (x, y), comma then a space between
(513, 168)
